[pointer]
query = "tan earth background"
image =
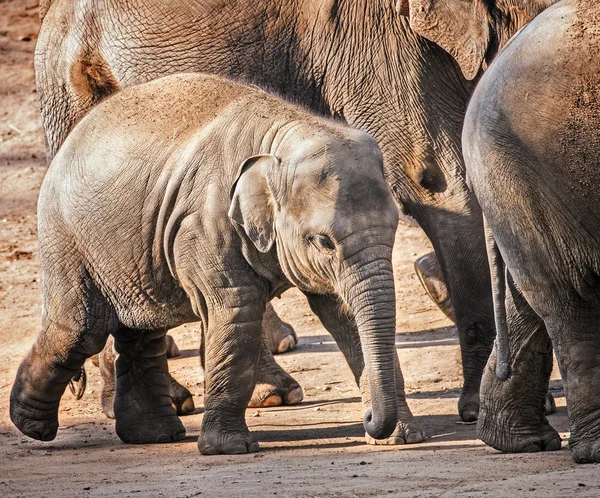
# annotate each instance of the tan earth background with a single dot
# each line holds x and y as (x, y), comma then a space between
(315, 449)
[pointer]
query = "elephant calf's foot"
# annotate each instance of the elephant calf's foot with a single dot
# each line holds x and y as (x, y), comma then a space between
(405, 433)
(33, 419)
(181, 398)
(217, 439)
(160, 428)
(512, 439)
(274, 386)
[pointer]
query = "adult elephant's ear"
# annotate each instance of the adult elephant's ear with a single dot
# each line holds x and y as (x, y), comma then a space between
(252, 203)
(460, 27)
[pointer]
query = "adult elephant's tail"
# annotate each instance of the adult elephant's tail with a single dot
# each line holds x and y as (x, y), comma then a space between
(498, 274)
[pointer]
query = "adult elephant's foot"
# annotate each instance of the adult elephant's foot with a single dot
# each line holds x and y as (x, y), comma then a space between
(468, 405)
(405, 433)
(274, 386)
(431, 277)
(143, 409)
(517, 438)
(181, 398)
(278, 336)
(549, 405)
(584, 450)
(219, 438)
(172, 349)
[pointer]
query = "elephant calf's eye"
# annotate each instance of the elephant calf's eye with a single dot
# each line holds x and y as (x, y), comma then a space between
(322, 242)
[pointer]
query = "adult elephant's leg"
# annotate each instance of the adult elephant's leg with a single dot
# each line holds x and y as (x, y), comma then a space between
(342, 326)
(575, 334)
(274, 386)
(511, 416)
(75, 326)
(231, 351)
(143, 409)
(278, 336)
(430, 275)
(429, 272)
(458, 240)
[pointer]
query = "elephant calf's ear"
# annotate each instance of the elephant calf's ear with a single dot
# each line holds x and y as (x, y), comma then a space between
(252, 204)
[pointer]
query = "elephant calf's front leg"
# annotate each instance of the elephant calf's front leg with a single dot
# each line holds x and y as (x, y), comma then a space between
(232, 346)
(143, 409)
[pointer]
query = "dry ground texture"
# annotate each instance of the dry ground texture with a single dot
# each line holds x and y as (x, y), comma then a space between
(313, 449)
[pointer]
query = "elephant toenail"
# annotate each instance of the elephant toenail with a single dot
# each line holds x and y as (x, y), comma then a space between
(273, 400)
(188, 406)
(294, 396)
(287, 344)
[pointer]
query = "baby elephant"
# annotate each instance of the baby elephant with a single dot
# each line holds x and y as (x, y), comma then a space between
(194, 198)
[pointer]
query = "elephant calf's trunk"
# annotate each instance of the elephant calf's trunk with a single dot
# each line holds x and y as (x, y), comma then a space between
(374, 307)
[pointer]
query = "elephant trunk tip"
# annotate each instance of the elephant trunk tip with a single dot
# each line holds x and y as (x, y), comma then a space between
(378, 429)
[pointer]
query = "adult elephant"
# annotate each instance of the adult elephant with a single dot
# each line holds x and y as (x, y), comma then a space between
(531, 148)
(358, 60)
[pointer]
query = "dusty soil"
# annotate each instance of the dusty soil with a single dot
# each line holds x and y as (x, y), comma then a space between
(313, 449)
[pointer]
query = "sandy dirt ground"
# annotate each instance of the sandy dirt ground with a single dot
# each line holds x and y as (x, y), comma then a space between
(314, 449)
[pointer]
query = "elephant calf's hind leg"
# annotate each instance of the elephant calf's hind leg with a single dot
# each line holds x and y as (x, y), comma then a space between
(75, 327)
(143, 409)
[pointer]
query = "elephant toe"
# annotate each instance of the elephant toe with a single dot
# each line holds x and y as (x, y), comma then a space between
(405, 433)
(587, 452)
(287, 344)
(266, 395)
(295, 396)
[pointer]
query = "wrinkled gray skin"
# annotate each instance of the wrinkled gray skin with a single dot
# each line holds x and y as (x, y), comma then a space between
(356, 60)
(193, 198)
(181, 398)
(532, 154)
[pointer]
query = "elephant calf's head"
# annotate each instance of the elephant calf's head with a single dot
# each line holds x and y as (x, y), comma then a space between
(325, 204)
